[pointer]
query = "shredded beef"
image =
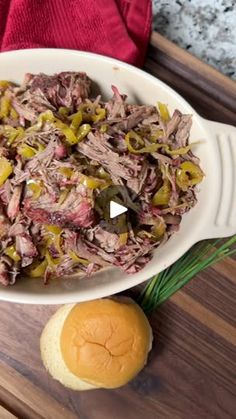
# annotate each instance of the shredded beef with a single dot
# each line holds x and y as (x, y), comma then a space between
(42, 92)
(62, 148)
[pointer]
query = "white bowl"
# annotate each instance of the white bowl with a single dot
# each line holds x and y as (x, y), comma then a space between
(213, 216)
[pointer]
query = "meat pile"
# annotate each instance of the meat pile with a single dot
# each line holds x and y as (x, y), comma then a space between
(59, 148)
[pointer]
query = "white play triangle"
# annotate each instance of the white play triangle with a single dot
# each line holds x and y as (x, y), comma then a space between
(116, 209)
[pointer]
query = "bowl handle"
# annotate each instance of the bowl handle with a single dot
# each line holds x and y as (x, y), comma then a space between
(224, 220)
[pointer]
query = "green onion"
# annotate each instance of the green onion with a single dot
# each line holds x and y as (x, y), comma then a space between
(199, 257)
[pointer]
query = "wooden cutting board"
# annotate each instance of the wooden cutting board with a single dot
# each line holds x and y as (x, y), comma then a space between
(192, 368)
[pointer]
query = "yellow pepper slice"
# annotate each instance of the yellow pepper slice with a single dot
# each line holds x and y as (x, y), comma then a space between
(132, 135)
(189, 174)
(158, 134)
(13, 114)
(52, 262)
(83, 131)
(164, 113)
(101, 172)
(4, 84)
(162, 196)
(158, 230)
(11, 252)
(86, 109)
(76, 120)
(143, 234)
(100, 114)
(67, 131)
(5, 170)
(152, 148)
(66, 171)
(53, 229)
(63, 196)
(46, 116)
(103, 128)
(5, 107)
(35, 187)
(37, 269)
(26, 151)
(13, 134)
(56, 240)
(91, 182)
(54, 237)
(77, 259)
(123, 238)
(40, 147)
(179, 151)
(72, 138)
(63, 111)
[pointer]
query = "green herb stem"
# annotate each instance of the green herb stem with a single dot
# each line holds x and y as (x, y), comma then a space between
(166, 283)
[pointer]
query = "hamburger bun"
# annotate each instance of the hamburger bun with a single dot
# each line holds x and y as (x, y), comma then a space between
(96, 344)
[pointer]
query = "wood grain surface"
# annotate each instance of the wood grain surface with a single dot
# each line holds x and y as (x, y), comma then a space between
(192, 368)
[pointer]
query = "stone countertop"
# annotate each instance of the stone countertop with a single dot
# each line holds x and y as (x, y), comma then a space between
(206, 28)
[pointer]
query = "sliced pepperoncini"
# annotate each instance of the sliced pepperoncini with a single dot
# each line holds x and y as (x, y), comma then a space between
(5, 107)
(87, 110)
(143, 234)
(35, 187)
(56, 241)
(26, 151)
(101, 173)
(63, 111)
(37, 269)
(13, 114)
(72, 137)
(103, 128)
(152, 148)
(123, 238)
(13, 134)
(52, 262)
(66, 171)
(83, 131)
(67, 131)
(76, 120)
(162, 196)
(92, 182)
(100, 114)
(4, 84)
(77, 259)
(178, 151)
(46, 116)
(53, 229)
(136, 140)
(156, 135)
(63, 196)
(5, 170)
(11, 252)
(158, 230)
(163, 110)
(189, 174)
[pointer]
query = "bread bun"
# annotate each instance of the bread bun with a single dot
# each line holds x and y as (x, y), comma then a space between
(51, 351)
(102, 343)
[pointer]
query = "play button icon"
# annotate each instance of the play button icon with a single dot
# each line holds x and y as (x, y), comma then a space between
(116, 209)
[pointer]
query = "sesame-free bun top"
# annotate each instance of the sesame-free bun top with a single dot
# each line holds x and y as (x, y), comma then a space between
(106, 342)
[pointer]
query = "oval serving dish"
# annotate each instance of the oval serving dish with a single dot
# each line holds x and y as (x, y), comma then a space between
(213, 216)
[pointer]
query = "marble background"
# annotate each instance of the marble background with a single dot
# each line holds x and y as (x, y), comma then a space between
(206, 28)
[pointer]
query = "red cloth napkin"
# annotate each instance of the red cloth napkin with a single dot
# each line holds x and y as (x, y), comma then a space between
(117, 28)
